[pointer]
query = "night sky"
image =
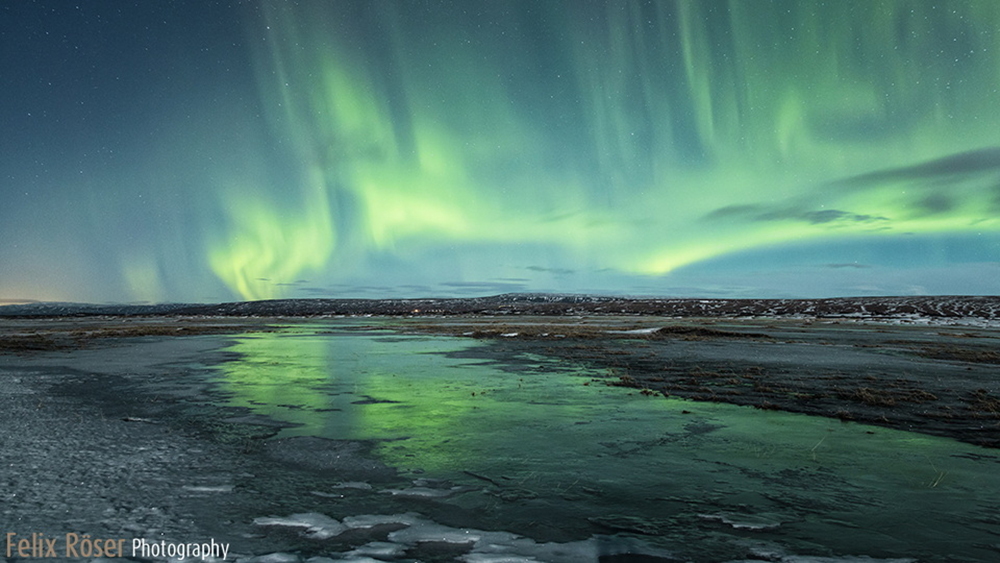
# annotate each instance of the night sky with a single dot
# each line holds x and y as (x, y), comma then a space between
(211, 151)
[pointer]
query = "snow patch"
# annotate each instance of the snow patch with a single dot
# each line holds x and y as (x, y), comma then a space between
(354, 485)
(372, 520)
(317, 526)
(208, 488)
(744, 521)
(635, 331)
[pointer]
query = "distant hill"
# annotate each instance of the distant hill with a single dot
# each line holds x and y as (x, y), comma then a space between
(982, 307)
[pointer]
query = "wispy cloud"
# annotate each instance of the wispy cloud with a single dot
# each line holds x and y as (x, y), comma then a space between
(961, 164)
(763, 213)
(483, 287)
(849, 265)
(560, 271)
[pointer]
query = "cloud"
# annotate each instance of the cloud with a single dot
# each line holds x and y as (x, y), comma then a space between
(936, 203)
(849, 265)
(935, 186)
(316, 290)
(550, 270)
(734, 211)
(759, 213)
(414, 287)
(833, 215)
(347, 291)
(961, 164)
(483, 287)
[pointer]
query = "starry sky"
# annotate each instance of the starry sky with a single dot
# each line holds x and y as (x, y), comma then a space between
(222, 150)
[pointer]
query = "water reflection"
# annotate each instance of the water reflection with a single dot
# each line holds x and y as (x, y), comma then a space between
(548, 449)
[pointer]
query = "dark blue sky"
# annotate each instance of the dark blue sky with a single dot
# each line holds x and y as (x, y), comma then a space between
(205, 151)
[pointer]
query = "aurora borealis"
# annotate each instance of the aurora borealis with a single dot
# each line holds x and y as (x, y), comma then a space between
(194, 151)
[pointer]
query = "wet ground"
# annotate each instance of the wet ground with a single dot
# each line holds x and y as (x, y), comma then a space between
(939, 379)
(527, 440)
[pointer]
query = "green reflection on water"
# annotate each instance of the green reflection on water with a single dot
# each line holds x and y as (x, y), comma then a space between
(590, 450)
(373, 386)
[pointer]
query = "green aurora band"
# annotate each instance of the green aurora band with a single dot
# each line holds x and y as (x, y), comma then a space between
(633, 137)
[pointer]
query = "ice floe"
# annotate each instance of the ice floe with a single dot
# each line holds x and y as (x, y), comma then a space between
(483, 546)
(316, 526)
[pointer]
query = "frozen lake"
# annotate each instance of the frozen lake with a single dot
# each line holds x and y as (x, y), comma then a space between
(347, 440)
